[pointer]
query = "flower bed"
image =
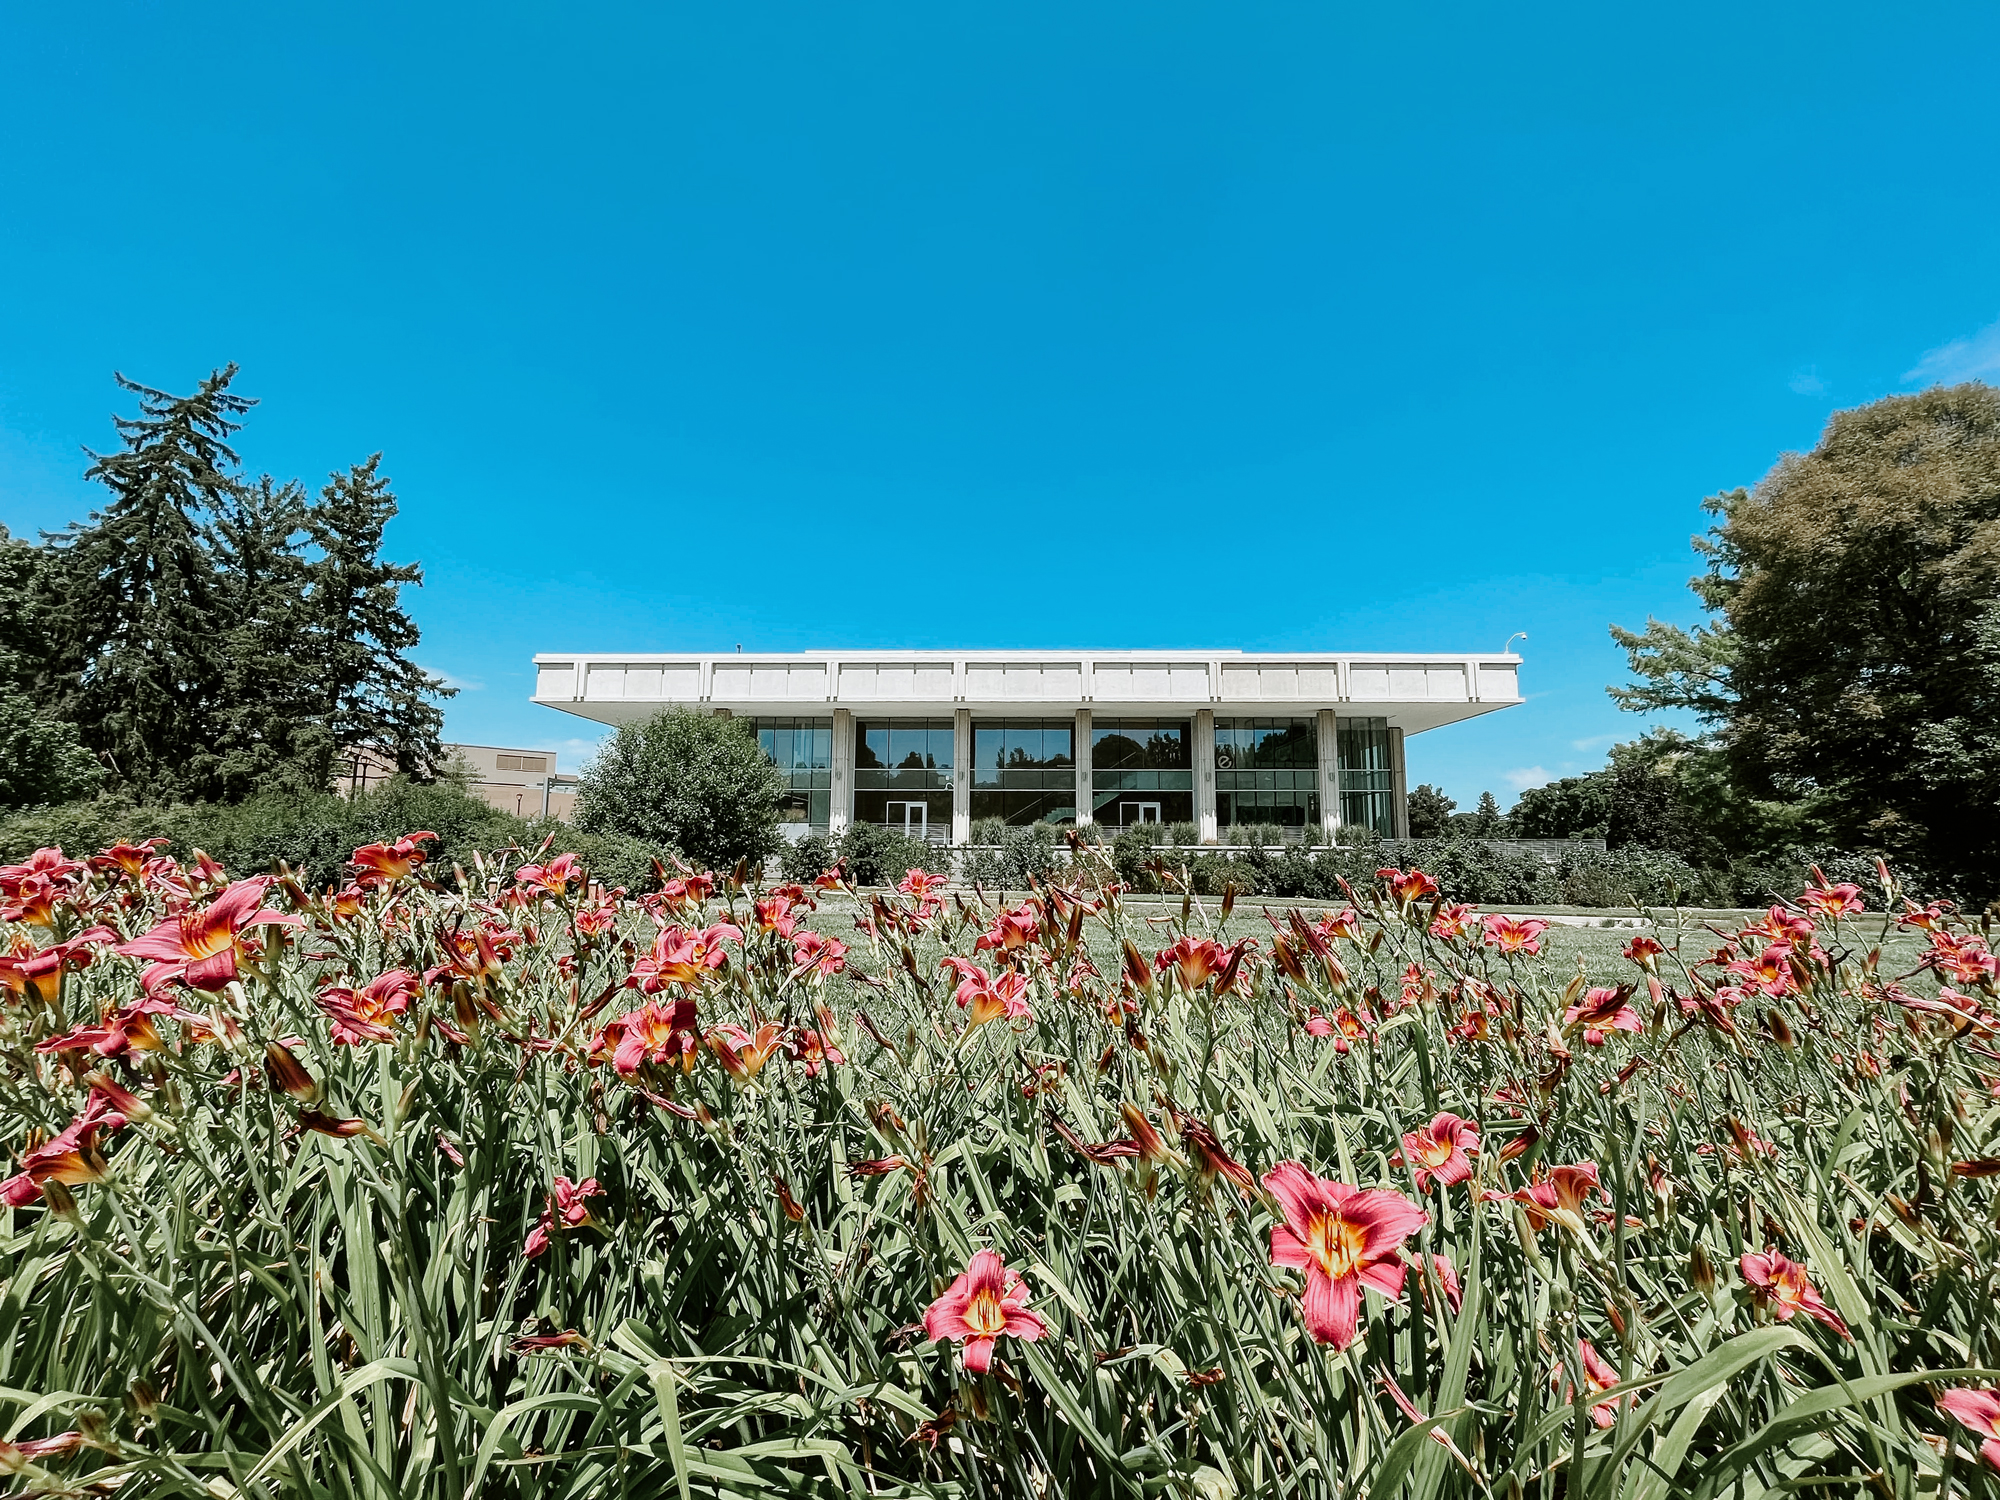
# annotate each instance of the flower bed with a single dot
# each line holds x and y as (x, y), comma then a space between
(506, 1184)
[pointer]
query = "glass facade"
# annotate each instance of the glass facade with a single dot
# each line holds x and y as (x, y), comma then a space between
(1368, 775)
(802, 750)
(1141, 771)
(1024, 771)
(1267, 771)
(902, 775)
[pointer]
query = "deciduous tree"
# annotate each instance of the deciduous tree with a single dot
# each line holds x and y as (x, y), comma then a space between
(1851, 665)
(688, 781)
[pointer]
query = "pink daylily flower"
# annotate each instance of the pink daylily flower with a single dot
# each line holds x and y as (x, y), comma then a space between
(984, 1303)
(1343, 1238)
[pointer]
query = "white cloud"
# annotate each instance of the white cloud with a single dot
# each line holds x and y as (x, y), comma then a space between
(572, 755)
(1595, 742)
(1806, 381)
(1526, 777)
(456, 684)
(1974, 358)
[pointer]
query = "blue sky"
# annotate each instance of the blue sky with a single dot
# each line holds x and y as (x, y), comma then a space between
(1281, 327)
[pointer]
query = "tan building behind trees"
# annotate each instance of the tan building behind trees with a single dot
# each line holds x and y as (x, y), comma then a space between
(522, 782)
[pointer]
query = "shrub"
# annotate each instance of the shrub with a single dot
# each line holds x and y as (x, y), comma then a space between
(686, 781)
(42, 760)
(1256, 835)
(881, 856)
(1634, 876)
(1182, 834)
(809, 858)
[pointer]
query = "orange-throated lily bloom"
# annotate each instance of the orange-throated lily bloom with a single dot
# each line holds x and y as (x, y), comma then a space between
(1198, 960)
(1454, 922)
(70, 1158)
(1597, 1376)
(131, 859)
(1551, 1194)
(551, 879)
(368, 1014)
(1343, 1238)
(822, 957)
(742, 1055)
(200, 948)
(1405, 888)
(654, 1033)
(1603, 1010)
(1514, 934)
(1781, 1285)
(1438, 1151)
(681, 956)
(1979, 1410)
(988, 1300)
(1010, 930)
(1831, 902)
(380, 864)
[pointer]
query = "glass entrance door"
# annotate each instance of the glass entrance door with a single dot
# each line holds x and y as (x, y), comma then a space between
(912, 817)
(1140, 812)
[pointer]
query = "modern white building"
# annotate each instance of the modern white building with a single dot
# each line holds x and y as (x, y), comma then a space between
(930, 742)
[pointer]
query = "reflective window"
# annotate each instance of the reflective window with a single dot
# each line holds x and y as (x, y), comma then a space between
(1267, 771)
(802, 750)
(1024, 770)
(1141, 771)
(902, 775)
(1368, 775)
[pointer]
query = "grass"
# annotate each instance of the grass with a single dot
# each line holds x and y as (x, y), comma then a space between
(322, 1290)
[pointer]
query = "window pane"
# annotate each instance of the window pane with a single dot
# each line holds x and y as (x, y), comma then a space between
(871, 745)
(942, 747)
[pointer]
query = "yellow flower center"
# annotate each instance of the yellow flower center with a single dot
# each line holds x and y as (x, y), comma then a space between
(985, 1315)
(1336, 1243)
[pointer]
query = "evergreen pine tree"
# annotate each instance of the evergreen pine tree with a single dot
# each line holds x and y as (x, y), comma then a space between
(356, 632)
(132, 598)
(270, 732)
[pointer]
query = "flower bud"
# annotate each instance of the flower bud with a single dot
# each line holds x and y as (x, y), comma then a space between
(287, 1073)
(1701, 1274)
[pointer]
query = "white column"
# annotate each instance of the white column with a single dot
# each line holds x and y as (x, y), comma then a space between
(1329, 775)
(1204, 773)
(842, 811)
(1399, 810)
(1085, 803)
(961, 776)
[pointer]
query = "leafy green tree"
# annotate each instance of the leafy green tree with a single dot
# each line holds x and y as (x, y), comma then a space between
(1577, 807)
(1851, 665)
(687, 781)
(132, 598)
(1430, 812)
(41, 759)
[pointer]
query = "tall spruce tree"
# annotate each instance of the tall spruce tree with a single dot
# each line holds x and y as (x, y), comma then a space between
(269, 732)
(357, 635)
(133, 599)
(211, 638)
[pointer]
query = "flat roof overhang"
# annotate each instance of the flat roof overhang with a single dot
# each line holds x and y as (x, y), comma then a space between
(1413, 691)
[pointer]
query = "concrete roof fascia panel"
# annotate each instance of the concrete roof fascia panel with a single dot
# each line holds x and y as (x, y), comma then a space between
(1414, 691)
